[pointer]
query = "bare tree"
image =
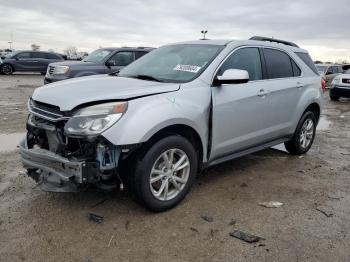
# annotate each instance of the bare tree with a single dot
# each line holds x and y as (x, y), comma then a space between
(71, 51)
(51, 50)
(35, 47)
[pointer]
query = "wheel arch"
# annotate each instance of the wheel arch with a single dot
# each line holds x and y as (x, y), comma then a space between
(315, 108)
(185, 131)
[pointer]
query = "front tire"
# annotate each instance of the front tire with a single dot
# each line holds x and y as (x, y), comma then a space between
(7, 69)
(165, 173)
(304, 135)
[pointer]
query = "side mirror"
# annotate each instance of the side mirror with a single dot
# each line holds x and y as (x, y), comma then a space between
(232, 76)
(110, 63)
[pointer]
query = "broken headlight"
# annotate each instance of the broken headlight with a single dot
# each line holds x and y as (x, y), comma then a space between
(93, 120)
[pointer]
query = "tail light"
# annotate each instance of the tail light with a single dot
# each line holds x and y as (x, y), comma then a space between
(323, 86)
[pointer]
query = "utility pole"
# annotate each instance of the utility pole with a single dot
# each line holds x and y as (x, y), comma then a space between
(204, 32)
(11, 42)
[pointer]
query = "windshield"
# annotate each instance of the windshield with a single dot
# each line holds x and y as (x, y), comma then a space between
(9, 55)
(97, 56)
(175, 63)
(321, 68)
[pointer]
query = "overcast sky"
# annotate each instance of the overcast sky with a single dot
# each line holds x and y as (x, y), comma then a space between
(320, 26)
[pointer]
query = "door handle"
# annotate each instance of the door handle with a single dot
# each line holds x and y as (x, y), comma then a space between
(262, 93)
(299, 85)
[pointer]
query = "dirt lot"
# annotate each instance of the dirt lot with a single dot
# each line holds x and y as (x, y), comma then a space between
(312, 225)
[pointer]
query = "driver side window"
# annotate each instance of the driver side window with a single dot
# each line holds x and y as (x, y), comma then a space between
(122, 58)
(244, 59)
(23, 55)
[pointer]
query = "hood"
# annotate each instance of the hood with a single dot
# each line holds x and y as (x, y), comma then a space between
(68, 94)
(72, 63)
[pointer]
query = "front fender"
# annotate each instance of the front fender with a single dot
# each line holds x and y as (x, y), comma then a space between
(148, 115)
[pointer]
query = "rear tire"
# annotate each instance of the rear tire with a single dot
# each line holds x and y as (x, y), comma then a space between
(333, 98)
(164, 174)
(7, 69)
(303, 136)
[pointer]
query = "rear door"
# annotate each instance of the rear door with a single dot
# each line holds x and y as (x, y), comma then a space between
(285, 88)
(40, 61)
(240, 110)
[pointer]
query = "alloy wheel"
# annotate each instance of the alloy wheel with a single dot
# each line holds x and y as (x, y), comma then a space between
(306, 133)
(169, 174)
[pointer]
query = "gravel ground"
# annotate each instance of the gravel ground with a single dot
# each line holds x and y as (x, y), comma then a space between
(312, 225)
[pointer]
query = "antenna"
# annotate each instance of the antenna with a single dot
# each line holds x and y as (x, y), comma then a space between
(204, 32)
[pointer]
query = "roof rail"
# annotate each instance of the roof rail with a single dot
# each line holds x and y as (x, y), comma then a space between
(268, 39)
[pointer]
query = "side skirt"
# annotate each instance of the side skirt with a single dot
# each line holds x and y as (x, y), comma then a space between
(244, 152)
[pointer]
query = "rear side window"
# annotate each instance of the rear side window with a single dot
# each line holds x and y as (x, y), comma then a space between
(138, 54)
(38, 55)
(23, 55)
(278, 64)
(296, 69)
(308, 61)
(52, 56)
(245, 59)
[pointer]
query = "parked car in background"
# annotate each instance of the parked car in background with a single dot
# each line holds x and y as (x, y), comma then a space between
(340, 86)
(167, 116)
(101, 61)
(4, 53)
(28, 61)
(329, 71)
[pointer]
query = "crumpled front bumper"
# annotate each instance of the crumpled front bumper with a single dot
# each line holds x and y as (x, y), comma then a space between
(56, 173)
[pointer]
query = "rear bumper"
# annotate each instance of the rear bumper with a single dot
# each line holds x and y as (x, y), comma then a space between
(56, 173)
(340, 91)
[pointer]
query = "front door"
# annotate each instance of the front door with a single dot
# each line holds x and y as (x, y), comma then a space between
(240, 111)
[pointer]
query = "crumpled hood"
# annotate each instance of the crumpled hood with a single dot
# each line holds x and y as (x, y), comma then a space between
(68, 94)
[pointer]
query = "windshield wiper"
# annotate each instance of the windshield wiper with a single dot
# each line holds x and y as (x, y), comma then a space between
(146, 77)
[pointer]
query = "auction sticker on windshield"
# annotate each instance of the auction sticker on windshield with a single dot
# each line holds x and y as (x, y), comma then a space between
(187, 68)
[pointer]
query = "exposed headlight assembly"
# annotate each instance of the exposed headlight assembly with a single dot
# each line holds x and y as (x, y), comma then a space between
(93, 120)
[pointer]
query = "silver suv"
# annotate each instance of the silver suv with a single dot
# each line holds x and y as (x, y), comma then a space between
(170, 114)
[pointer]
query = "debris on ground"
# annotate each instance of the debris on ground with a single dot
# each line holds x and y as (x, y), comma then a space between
(99, 202)
(271, 204)
(325, 212)
(194, 229)
(243, 185)
(335, 197)
(110, 241)
(127, 223)
(232, 222)
(207, 218)
(301, 171)
(95, 218)
(246, 237)
(213, 231)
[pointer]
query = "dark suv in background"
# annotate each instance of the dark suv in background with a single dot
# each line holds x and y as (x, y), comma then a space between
(28, 61)
(101, 61)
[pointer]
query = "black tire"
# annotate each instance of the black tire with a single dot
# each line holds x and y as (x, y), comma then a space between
(7, 69)
(333, 98)
(140, 174)
(294, 146)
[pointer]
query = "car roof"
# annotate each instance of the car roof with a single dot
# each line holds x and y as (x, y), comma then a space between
(127, 48)
(328, 65)
(228, 42)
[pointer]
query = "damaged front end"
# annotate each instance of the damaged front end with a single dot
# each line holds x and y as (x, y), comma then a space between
(63, 162)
